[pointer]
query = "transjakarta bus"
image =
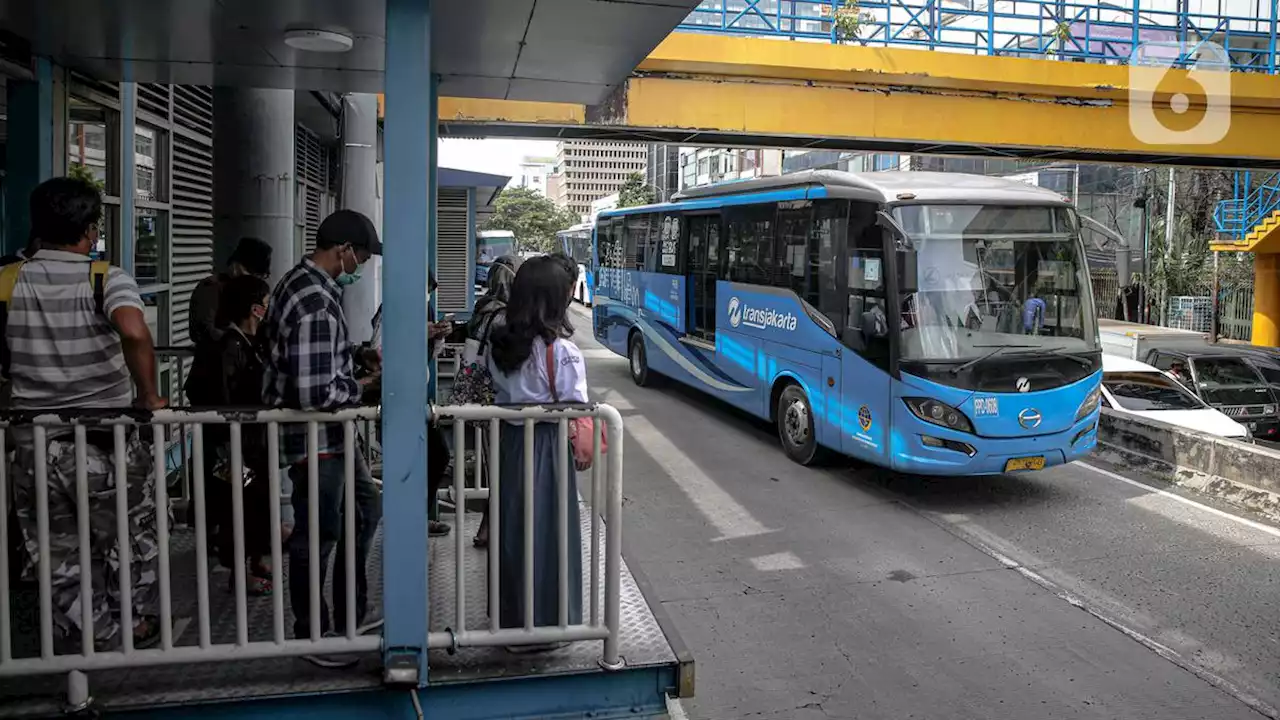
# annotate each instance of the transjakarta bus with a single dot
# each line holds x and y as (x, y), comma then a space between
(576, 243)
(931, 323)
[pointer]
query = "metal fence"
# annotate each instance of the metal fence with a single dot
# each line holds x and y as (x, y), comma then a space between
(59, 654)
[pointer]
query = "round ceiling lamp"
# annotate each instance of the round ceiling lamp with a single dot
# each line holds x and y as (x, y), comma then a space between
(320, 41)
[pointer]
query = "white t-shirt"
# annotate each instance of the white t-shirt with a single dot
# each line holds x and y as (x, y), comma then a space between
(529, 386)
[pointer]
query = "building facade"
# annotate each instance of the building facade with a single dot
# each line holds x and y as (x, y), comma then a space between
(534, 172)
(663, 171)
(708, 166)
(586, 170)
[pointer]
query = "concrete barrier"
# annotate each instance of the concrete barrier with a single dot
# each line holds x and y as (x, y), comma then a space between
(1243, 474)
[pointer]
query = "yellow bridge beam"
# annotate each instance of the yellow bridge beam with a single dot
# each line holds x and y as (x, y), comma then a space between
(718, 89)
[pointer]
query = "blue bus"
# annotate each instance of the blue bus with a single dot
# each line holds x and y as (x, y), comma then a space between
(931, 323)
(491, 245)
(576, 243)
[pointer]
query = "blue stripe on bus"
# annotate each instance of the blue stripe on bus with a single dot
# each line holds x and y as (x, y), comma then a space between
(802, 193)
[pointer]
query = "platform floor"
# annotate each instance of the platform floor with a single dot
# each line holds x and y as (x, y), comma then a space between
(643, 642)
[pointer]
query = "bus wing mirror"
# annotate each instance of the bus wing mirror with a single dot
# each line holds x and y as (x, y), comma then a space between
(900, 238)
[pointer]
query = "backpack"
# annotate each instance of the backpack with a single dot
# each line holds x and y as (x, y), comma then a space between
(98, 270)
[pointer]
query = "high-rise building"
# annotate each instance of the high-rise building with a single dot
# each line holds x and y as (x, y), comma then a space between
(534, 172)
(708, 166)
(663, 171)
(587, 170)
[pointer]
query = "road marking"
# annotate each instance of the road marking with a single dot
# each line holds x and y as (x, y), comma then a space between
(729, 518)
(777, 562)
(1272, 531)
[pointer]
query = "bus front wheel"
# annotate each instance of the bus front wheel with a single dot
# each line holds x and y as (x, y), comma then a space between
(796, 427)
(638, 359)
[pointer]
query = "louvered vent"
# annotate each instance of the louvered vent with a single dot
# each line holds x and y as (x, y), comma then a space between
(108, 89)
(192, 249)
(311, 161)
(154, 99)
(452, 243)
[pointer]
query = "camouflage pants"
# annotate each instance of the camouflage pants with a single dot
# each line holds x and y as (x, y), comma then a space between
(64, 536)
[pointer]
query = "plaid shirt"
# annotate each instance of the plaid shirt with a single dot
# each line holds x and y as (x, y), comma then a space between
(309, 365)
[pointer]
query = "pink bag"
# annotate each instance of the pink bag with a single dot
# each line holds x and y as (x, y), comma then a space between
(580, 429)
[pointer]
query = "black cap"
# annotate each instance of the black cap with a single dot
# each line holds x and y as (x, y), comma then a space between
(254, 255)
(348, 227)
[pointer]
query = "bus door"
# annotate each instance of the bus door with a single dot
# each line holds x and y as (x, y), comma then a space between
(867, 392)
(704, 271)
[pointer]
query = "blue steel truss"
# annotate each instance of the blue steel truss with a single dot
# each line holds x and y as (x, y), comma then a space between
(1104, 31)
(1101, 31)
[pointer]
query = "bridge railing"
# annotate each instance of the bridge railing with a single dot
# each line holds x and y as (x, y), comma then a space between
(107, 522)
(1253, 203)
(1080, 31)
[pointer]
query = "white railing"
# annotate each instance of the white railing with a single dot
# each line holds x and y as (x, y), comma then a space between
(606, 501)
(54, 658)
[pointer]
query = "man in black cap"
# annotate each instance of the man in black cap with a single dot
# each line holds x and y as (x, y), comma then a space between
(311, 366)
(251, 257)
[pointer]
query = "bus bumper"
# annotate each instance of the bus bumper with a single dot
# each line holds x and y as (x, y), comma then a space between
(925, 449)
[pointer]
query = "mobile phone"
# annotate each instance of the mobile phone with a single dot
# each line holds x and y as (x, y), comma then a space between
(448, 318)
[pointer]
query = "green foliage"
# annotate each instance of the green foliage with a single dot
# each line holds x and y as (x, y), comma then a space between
(533, 218)
(634, 192)
(82, 172)
(850, 19)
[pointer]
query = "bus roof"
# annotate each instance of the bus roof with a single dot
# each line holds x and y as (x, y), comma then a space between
(930, 187)
(495, 234)
(580, 227)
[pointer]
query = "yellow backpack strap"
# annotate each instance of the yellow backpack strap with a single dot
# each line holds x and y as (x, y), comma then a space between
(98, 270)
(9, 281)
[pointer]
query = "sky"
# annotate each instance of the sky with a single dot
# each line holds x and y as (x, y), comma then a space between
(500, 157)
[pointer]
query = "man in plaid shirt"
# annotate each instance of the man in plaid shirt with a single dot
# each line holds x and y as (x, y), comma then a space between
(311, 366)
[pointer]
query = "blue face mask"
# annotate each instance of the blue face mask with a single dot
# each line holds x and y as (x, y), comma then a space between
(348, 278)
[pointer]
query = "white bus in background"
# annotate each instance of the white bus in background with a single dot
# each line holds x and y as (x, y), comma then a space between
(576, 242)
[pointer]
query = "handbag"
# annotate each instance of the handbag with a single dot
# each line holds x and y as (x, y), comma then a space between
(580, 429)
(473, 384)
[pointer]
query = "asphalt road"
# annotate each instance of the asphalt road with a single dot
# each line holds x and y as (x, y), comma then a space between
(847, 592)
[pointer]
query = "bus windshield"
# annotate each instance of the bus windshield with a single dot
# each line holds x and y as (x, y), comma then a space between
(988, 280)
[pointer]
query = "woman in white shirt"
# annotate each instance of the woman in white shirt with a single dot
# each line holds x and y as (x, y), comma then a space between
(536, 316)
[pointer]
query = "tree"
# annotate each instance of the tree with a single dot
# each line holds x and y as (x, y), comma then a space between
(533, 218)
(82, 172)
(634, 192)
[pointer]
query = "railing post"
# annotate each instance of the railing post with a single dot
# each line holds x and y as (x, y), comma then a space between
(613, 539)
(410, 137)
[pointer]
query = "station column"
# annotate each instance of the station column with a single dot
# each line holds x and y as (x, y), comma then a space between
(1266, 299)
(253, 170)
(359, 193)
(409, 137)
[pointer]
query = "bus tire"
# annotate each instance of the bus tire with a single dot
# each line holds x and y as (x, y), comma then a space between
(638, 361)
(796, 430)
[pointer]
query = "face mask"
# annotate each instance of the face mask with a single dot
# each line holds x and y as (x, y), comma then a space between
(349, 278)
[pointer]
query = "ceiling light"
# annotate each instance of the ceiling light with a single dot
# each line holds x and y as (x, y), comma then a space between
(321, 41)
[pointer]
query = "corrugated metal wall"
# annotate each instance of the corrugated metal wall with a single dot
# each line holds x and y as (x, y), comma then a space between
(452, 244)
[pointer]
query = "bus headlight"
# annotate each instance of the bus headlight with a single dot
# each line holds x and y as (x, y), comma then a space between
(932, 411)
(1090, 404)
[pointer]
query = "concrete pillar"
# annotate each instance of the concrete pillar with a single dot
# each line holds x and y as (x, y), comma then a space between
(253, 173)
(29, 155)
(410, 137)
(359, 193)
(1266, 300)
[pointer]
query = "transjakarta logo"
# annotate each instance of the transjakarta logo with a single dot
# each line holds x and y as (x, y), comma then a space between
(760, 318)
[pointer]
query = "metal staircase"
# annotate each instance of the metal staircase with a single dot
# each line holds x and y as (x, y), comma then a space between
(1252, 217)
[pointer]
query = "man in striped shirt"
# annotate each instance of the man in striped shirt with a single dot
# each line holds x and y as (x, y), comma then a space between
(73, 346)
(311, 366)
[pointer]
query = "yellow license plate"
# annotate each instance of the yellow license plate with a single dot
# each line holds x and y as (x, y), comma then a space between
(1024, 463)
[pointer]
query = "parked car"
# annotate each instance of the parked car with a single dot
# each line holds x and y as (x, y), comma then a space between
(1228, 379)
(1136, 388)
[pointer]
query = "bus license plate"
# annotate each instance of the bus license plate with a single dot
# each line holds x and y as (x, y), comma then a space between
(1024, 463)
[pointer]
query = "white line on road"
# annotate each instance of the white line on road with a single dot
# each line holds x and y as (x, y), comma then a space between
(729, 518)
(1274, 532)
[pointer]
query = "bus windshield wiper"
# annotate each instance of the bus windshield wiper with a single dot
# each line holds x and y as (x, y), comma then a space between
(1061, 352)
(998, 348)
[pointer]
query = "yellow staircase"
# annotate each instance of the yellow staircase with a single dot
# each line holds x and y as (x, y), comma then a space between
(1263, 238)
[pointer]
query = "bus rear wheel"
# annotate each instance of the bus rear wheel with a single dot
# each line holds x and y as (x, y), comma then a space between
(796, 427)
(638, 360)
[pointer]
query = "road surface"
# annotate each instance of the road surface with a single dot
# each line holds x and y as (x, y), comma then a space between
(847, 592)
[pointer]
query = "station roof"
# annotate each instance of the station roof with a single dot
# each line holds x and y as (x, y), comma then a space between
(548, 50)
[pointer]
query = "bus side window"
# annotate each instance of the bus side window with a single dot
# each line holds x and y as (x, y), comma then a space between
(638, 241)
(866, 322)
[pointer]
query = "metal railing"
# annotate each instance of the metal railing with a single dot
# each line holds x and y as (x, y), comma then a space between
(1106, 32)
(1254, 202)
(56, 654)
(601, 622)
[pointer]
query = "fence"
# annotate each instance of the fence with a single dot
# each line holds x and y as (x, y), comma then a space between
(57, 654)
